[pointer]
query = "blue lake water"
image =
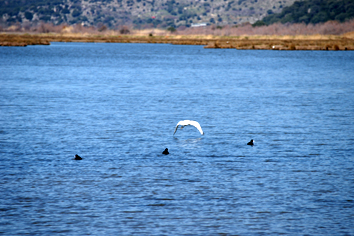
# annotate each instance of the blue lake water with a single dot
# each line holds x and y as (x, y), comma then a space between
(116, 105)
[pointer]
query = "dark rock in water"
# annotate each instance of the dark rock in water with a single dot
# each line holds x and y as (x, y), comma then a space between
(166, 152)
(77, 157)
(250, 142)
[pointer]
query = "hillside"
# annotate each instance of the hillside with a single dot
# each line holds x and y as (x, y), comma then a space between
(140, 13)
(313, 11)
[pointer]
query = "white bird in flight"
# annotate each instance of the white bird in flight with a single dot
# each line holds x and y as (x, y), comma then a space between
(183, 123)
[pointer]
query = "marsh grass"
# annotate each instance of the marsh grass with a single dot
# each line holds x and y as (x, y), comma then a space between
(282, 37)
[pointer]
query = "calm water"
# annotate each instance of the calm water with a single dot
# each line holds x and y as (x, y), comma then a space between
(116, 105)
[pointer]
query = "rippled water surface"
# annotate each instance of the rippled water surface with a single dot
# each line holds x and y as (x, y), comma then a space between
(116, 105)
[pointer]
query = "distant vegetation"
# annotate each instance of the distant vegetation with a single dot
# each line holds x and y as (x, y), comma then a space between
(170, 15)
(140, 13)
(312, 11)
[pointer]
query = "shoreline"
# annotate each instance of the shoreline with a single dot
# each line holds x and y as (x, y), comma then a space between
(319, 42)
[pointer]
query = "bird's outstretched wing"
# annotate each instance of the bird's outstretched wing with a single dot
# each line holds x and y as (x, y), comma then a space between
(177, 127)
(197, 125)
(189, 122)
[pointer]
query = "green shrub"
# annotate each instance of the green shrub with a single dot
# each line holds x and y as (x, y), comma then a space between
(258, 23)
(171, 29)
(28, 15)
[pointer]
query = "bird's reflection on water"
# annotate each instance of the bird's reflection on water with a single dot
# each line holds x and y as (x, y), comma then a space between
(188, 143)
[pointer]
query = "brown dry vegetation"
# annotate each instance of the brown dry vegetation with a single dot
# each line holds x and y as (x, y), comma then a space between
(327, 36)
(328, 28)
(251, 42)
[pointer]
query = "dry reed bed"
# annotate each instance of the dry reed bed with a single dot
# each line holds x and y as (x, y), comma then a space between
(285, 44)
(250, 42)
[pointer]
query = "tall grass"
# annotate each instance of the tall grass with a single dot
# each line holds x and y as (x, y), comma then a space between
(290, 31)
(328, 28)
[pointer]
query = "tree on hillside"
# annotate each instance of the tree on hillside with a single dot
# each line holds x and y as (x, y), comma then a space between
(313, 11)
(171, 29)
